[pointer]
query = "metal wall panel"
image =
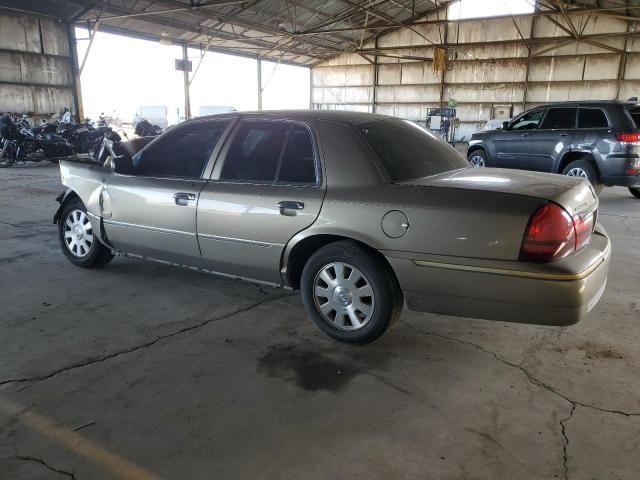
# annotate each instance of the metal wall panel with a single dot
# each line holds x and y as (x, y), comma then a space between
(488, 65)
(35, 67)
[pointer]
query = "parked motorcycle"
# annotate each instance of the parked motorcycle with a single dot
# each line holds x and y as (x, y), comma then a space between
(21, 143)
(145, 129)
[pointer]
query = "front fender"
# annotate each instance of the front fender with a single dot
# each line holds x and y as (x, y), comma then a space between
(62, 199)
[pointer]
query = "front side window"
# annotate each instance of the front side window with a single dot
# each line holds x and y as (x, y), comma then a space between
(592, 118)
(407, 151)
(559, 118)
(271, 152)
(528, 121)
(182, 152)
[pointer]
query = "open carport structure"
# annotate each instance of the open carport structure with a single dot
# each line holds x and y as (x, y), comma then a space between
(148, 371)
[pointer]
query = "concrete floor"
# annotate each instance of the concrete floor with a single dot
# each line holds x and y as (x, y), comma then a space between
(142, 370)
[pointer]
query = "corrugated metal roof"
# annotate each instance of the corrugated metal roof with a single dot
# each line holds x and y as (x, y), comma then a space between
(292, 31)
(302, 32)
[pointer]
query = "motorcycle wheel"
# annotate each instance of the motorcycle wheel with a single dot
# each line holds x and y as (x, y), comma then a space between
(7, 156)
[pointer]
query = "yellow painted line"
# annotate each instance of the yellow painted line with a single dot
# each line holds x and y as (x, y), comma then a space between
(117, 466)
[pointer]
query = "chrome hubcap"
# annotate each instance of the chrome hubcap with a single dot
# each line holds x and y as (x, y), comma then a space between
(477, 161)
(343, 296)
(78, 234)
(577, 172)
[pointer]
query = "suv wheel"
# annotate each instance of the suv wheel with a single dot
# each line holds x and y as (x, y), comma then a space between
(349, 294)
(77, 240)
(635, 191)
(584, 169)
(477, 159)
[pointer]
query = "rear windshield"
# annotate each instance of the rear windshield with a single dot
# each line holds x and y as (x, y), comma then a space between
(408, 151)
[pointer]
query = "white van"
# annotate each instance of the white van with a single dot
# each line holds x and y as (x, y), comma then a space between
(156, 115)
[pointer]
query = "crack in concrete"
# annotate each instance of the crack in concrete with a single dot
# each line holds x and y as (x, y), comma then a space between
(46, 465)
(530, 377)
(109, 356)
(537, 382)
(565, 444)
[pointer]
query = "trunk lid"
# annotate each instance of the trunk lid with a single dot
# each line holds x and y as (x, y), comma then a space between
(572, 193)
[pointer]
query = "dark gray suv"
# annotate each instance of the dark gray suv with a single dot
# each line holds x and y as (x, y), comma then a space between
(599, 140)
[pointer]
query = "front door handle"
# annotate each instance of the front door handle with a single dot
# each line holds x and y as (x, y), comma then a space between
(183, 199)
(289, 205)
(525, 134)
(564, 134)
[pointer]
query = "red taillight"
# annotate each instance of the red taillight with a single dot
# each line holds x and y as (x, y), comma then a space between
(550, 235)
(628, 138)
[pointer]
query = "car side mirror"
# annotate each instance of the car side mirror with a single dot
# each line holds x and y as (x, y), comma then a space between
(505, 125)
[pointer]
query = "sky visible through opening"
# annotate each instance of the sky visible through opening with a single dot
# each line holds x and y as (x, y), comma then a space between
(488, 8)
(122, 74)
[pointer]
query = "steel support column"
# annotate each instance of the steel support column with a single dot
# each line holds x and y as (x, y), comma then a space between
(259, 69)
(376, 69)
(75, 71)
(187, 97)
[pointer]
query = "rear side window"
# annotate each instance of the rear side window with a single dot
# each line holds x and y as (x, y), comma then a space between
(635, 115)
(271, 152)
(592, 118)
(407, 151)
(182, 152)
(559, 118)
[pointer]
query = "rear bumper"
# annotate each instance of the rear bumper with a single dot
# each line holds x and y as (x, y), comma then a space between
(510, 292)
(621, 180)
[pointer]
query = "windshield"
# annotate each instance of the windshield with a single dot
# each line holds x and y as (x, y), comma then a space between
(407, 151)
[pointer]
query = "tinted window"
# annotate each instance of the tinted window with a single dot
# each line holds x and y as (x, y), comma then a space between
(592, 118)
(182, 152)
(408, 151)
(635, 115)
(558, 118)
(528, 121)
(255, 152)
(298, 163)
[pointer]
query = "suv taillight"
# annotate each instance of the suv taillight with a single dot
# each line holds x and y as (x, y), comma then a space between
(628, 138)
(552, 234)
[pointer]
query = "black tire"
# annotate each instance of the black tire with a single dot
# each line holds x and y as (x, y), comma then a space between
(587, 167)
(386, 302)
(478, 159)
(635, 191)
(7, 154)
(86, 254)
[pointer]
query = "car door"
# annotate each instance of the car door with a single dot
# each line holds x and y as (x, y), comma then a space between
(553, 138)
(266, 187)
(512, 145)
(151, 210)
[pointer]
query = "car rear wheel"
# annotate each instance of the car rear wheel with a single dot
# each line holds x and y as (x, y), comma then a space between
(584, 169)
(349, 294)
(77, 239)
(635, 191)
(477, 159)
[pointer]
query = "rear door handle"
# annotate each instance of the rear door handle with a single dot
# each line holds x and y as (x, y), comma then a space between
(289, 205)
(524, 134)
(183, 199)
(564, 134)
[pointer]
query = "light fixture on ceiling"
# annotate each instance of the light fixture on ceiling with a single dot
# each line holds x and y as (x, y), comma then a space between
(165, 40)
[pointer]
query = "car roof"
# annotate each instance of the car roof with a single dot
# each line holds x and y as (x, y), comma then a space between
(589, 103)
(331, 115)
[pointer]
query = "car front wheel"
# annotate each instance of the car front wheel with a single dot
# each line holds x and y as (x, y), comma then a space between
(349, 293)
(584, 169)
(477, 159)
(77, 239)
(635, 191)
